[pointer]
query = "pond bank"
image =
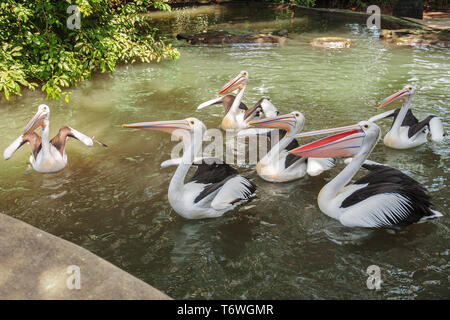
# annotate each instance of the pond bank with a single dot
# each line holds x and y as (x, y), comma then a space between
(397, 31)
(34, 265)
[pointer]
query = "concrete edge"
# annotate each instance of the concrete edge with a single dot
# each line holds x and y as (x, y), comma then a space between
(36, 265)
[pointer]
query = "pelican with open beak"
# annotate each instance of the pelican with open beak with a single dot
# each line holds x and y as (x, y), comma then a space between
(385, 198)
(278, 165)
(215, 188)
(406, 131)
(46, 155)
(237, 114)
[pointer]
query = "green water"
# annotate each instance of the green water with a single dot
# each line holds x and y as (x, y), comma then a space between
(113, 201)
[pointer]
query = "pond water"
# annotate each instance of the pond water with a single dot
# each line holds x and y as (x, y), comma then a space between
(113, 201)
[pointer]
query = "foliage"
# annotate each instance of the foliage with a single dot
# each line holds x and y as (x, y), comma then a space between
(38, 47)
(436, 4)
(305, 3)
(362, 4)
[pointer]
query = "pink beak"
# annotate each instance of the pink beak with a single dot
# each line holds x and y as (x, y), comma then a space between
(398, 95)
(35, 122)
(232, 85)
(286, 122)
(344, 144)
(165, 126)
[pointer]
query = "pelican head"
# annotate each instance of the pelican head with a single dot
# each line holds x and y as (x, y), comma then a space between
(348, 142)
(236, 83)
(180, 128)
(291, 122)
(403, 94)
(40, 119)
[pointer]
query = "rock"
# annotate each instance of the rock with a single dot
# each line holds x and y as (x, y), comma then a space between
(280, 33)
(331, 43)
(37, 265)
(226, 37)
(408, 37)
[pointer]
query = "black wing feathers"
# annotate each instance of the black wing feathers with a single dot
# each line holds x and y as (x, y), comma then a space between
(215, 176)
(409, 120)
(212, 173)
(384, 179)
(292, 145)
(419, 126)
(290, 158)
(211, 188)
(281, 133)
(249, 193)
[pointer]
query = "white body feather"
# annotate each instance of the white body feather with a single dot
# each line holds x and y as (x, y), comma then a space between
(214, 204)
(51, 161)
(268, 108)
(184, 198)
(436, 129)
(272, 169)
(369, 213)
(12, 148)
(48, 159)
(398, 139)
(384, 209)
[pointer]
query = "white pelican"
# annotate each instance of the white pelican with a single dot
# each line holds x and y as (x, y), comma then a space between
(406, 131)
(46, 155)
(214, 189)
(385, 198)
(278, 165)
(237, 115)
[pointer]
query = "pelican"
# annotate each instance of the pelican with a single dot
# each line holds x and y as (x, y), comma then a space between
(214, 189)
(385, 198)
(46, 155)
(237, 114)
(278, 165)
(406, 131)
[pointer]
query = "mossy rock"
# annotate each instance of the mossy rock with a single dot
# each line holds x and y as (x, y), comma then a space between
(280, 33)
(444, 35)
(331, 43)
(226, 37)
(411, 38)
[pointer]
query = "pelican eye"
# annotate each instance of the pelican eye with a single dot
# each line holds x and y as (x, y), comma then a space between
(296, 115)
(366, 126)
(192, 122)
